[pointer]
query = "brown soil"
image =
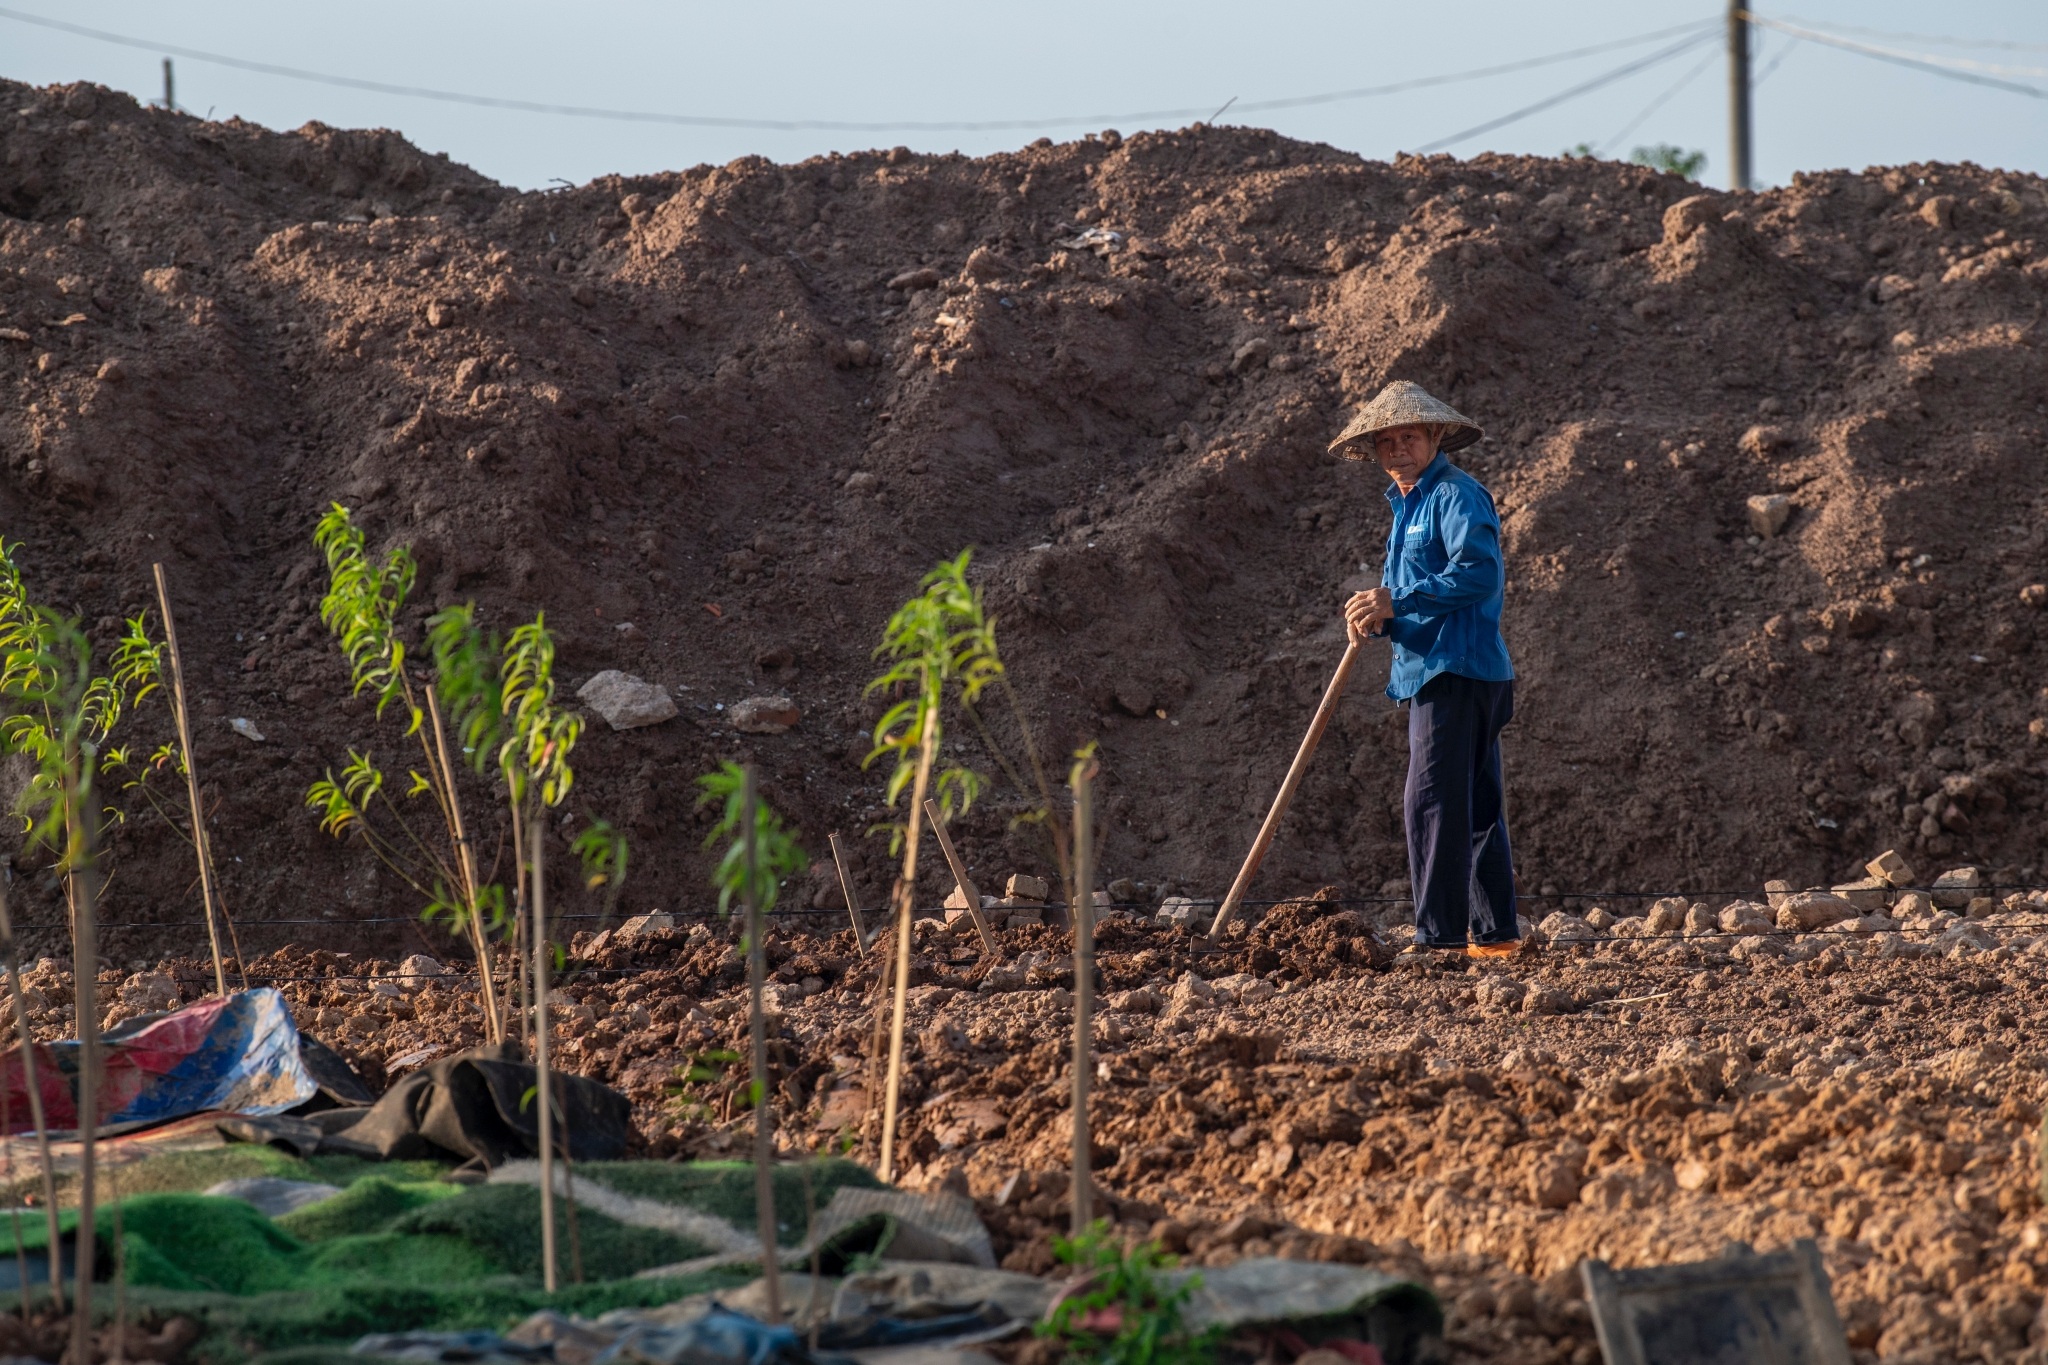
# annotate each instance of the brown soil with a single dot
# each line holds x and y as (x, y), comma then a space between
(689, 403)
(686, 416)
(1647, 1101)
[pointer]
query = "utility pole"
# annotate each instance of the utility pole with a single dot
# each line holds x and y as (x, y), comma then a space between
(170, 101)
(1738, 95)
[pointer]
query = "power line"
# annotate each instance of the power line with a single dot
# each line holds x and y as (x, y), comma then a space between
(832, 125)
(1915, 61)
(1776, 62)
(1658, 103)
(2005, 44)
(1584, 87)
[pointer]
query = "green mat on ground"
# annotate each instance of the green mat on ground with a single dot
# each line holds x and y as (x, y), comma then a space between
(398, 1249)
(725, 1189)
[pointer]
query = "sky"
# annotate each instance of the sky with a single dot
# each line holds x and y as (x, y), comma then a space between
(1061, 68)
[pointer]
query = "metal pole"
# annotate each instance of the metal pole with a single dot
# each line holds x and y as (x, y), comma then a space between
(170, 99)
(1082, 900)
(544, 1084)
(1738, 95)
(163, 599)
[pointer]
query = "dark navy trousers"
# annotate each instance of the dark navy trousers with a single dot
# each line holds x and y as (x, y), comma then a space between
(1458, 858)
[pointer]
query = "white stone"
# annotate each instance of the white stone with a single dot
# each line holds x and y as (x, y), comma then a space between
(1891, 868)
(1956, 888)
(1768, 513)
(1746, 917)
(1561, 927)
(626, 702)
(1810, 910)
(654, 921)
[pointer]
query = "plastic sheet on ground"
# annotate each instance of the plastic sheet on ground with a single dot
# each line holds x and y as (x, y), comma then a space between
(239, 1054)
(938, 1311)
(476, 1106)
(1317, 1302)
(710, 1334)
(899, 1224)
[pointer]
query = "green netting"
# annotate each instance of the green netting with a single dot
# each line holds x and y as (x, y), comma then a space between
(506, 1219)
(400, 1250)
(725, 1189)
(369, 1205)
(182, 1172)
(196, 1241)
(383, 1256)
(239, 1327)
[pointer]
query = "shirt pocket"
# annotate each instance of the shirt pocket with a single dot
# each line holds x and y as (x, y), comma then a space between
(1422, 555)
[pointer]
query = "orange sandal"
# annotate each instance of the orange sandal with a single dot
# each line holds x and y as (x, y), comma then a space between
(1483, 950)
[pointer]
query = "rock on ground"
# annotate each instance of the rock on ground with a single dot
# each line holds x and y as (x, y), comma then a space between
(626, 702)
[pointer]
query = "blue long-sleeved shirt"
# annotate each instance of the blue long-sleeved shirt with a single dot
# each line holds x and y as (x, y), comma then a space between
(1444, 565)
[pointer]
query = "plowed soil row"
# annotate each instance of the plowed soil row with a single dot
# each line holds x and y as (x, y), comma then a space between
(1289, 1094)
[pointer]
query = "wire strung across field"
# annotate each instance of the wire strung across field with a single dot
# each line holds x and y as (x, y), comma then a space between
(2010, 926)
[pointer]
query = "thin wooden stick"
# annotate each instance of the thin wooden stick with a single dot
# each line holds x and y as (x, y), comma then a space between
(85, 971)
(966, 883)
(569, 1199)
(544, 1085)
(817, 1252)
(120, 1268)
(163, 599)
(860, 932)
(906, 902)
(521, 930)
(234, 938)
(871, 1077)
(13, 1214)
(757, 1040)
(1295, 772)
(32, 1084)
(1083, 900)
(484, 967)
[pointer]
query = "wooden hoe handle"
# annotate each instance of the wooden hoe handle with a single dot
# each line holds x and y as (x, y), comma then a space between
(1295, 773)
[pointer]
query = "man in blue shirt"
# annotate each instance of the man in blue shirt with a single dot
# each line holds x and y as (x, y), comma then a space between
(1439, 605)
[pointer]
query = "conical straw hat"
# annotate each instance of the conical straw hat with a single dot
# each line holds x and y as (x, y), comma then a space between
(1401, 404)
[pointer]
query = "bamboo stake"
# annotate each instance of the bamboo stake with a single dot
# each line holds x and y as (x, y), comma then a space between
(120, 1269)
(569, 1199)
(544, 1085)
(817, 1252)
(967, 888)
(14, 1215)
(1295, 772)
(860, 932)
(228, 920)
(32, 1084)
(1082, 900)
(85, 970)
(484, 966)
(906, 902)
(870, 1126)
(521, 928)
(163, 599)
(757, 1040)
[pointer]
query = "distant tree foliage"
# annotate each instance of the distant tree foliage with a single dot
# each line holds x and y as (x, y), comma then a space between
(1670, 157)
(1665, 156)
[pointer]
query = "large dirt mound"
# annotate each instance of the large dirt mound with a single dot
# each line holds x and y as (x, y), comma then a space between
(687, 415)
